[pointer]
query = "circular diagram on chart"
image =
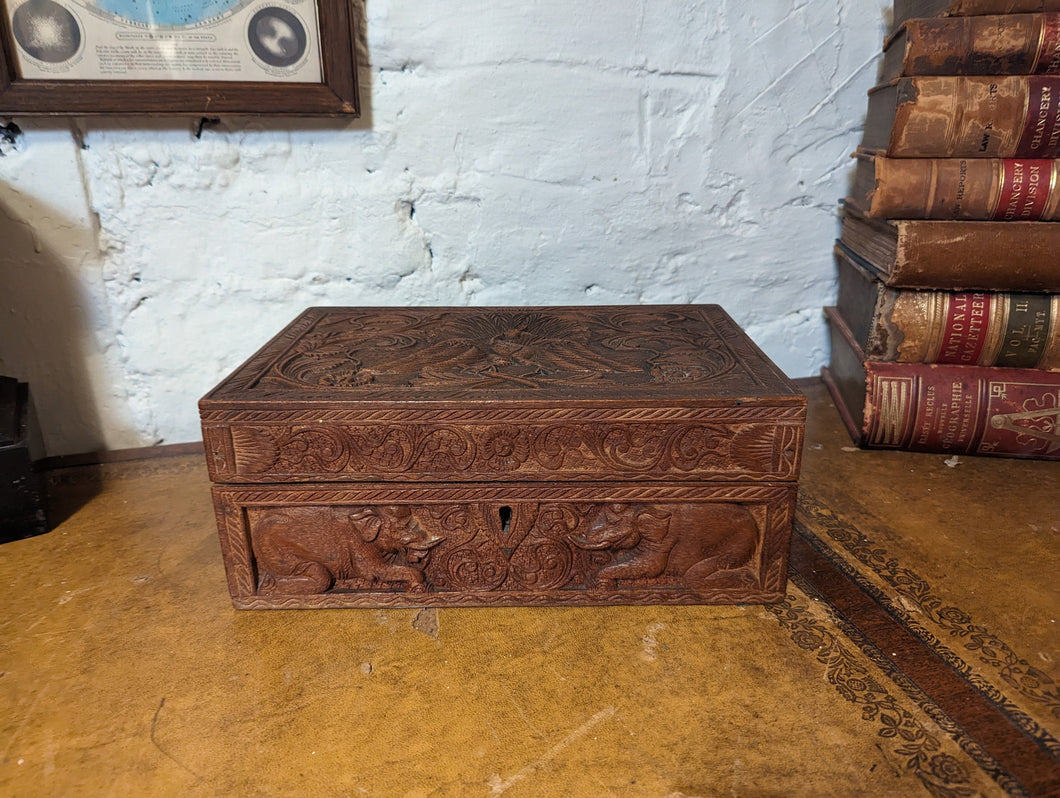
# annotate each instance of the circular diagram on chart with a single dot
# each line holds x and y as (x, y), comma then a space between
(277, 37)
(46, 31)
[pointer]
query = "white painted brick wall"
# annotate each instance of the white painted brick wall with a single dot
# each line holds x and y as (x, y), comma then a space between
(511, 153)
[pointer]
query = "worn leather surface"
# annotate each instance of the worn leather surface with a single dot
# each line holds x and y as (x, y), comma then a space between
(963, 550)
(125, 669)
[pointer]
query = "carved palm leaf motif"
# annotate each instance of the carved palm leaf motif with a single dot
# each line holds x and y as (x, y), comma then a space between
(320, 358)
(522, 348)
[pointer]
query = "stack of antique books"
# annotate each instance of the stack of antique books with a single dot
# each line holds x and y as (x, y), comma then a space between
(946, 331)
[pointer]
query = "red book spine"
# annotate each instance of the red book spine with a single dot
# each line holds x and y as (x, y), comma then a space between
(1041, 127)
(963, 410)
(967, 323)
(1048, 59)
(1025, 188)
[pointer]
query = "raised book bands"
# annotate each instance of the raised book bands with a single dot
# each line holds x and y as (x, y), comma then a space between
(1006, 44)
(953, 255)
(984, 328)
(982, 189)
(1013, 116)
(907, 9)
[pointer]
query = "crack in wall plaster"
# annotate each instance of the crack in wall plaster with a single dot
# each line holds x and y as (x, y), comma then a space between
(829, 98)
(10, 139)
(626, 70)
(414, 230)
(31, 231)
(775, 82)
(82, 174)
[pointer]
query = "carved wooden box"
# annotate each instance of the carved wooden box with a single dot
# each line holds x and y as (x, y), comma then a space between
(371, 457)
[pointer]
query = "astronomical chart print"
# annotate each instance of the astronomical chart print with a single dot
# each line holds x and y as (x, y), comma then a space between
(191, 40)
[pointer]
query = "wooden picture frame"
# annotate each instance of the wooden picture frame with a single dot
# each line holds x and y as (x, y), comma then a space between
(334, 95)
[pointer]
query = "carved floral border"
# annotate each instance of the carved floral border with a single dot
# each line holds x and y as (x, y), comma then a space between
(913, 591)
(511, 451)
(920, 752)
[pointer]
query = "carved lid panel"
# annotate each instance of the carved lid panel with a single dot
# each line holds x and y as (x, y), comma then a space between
(638, 355)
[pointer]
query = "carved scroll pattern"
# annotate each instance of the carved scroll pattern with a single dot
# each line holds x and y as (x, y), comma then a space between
(525, 553)
(511, 450)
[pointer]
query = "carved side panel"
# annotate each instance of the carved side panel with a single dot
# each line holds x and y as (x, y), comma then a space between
(497, 547)
(239, 561)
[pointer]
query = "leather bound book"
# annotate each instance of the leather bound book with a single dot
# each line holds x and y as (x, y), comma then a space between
(985, 328)
(928, 407)
(908, 9)
(980, 189)
(957, 256)
(965, 116)
(1009, 44)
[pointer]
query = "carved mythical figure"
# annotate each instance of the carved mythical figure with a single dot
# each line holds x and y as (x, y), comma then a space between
(305, 550)
(708, 545)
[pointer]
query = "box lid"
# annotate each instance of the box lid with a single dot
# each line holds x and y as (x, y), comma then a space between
(461, 393)
(339, 356)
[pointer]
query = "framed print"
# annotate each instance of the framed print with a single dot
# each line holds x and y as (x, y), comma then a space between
(186, 57)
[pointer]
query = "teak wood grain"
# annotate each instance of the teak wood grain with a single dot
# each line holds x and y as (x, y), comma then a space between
(496, 456)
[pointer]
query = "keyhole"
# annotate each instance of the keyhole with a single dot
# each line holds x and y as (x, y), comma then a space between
(506, 519)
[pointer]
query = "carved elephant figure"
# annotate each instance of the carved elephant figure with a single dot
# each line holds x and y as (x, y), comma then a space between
(305, 550)
(709, 545)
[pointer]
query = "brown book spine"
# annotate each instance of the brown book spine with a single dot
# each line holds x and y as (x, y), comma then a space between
(1009, 44)
(950, 409)
(940, 256)
(958, 256)
(978, 7)
(974, 116)
(906, 9)
(986, 328)
(987, 189)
